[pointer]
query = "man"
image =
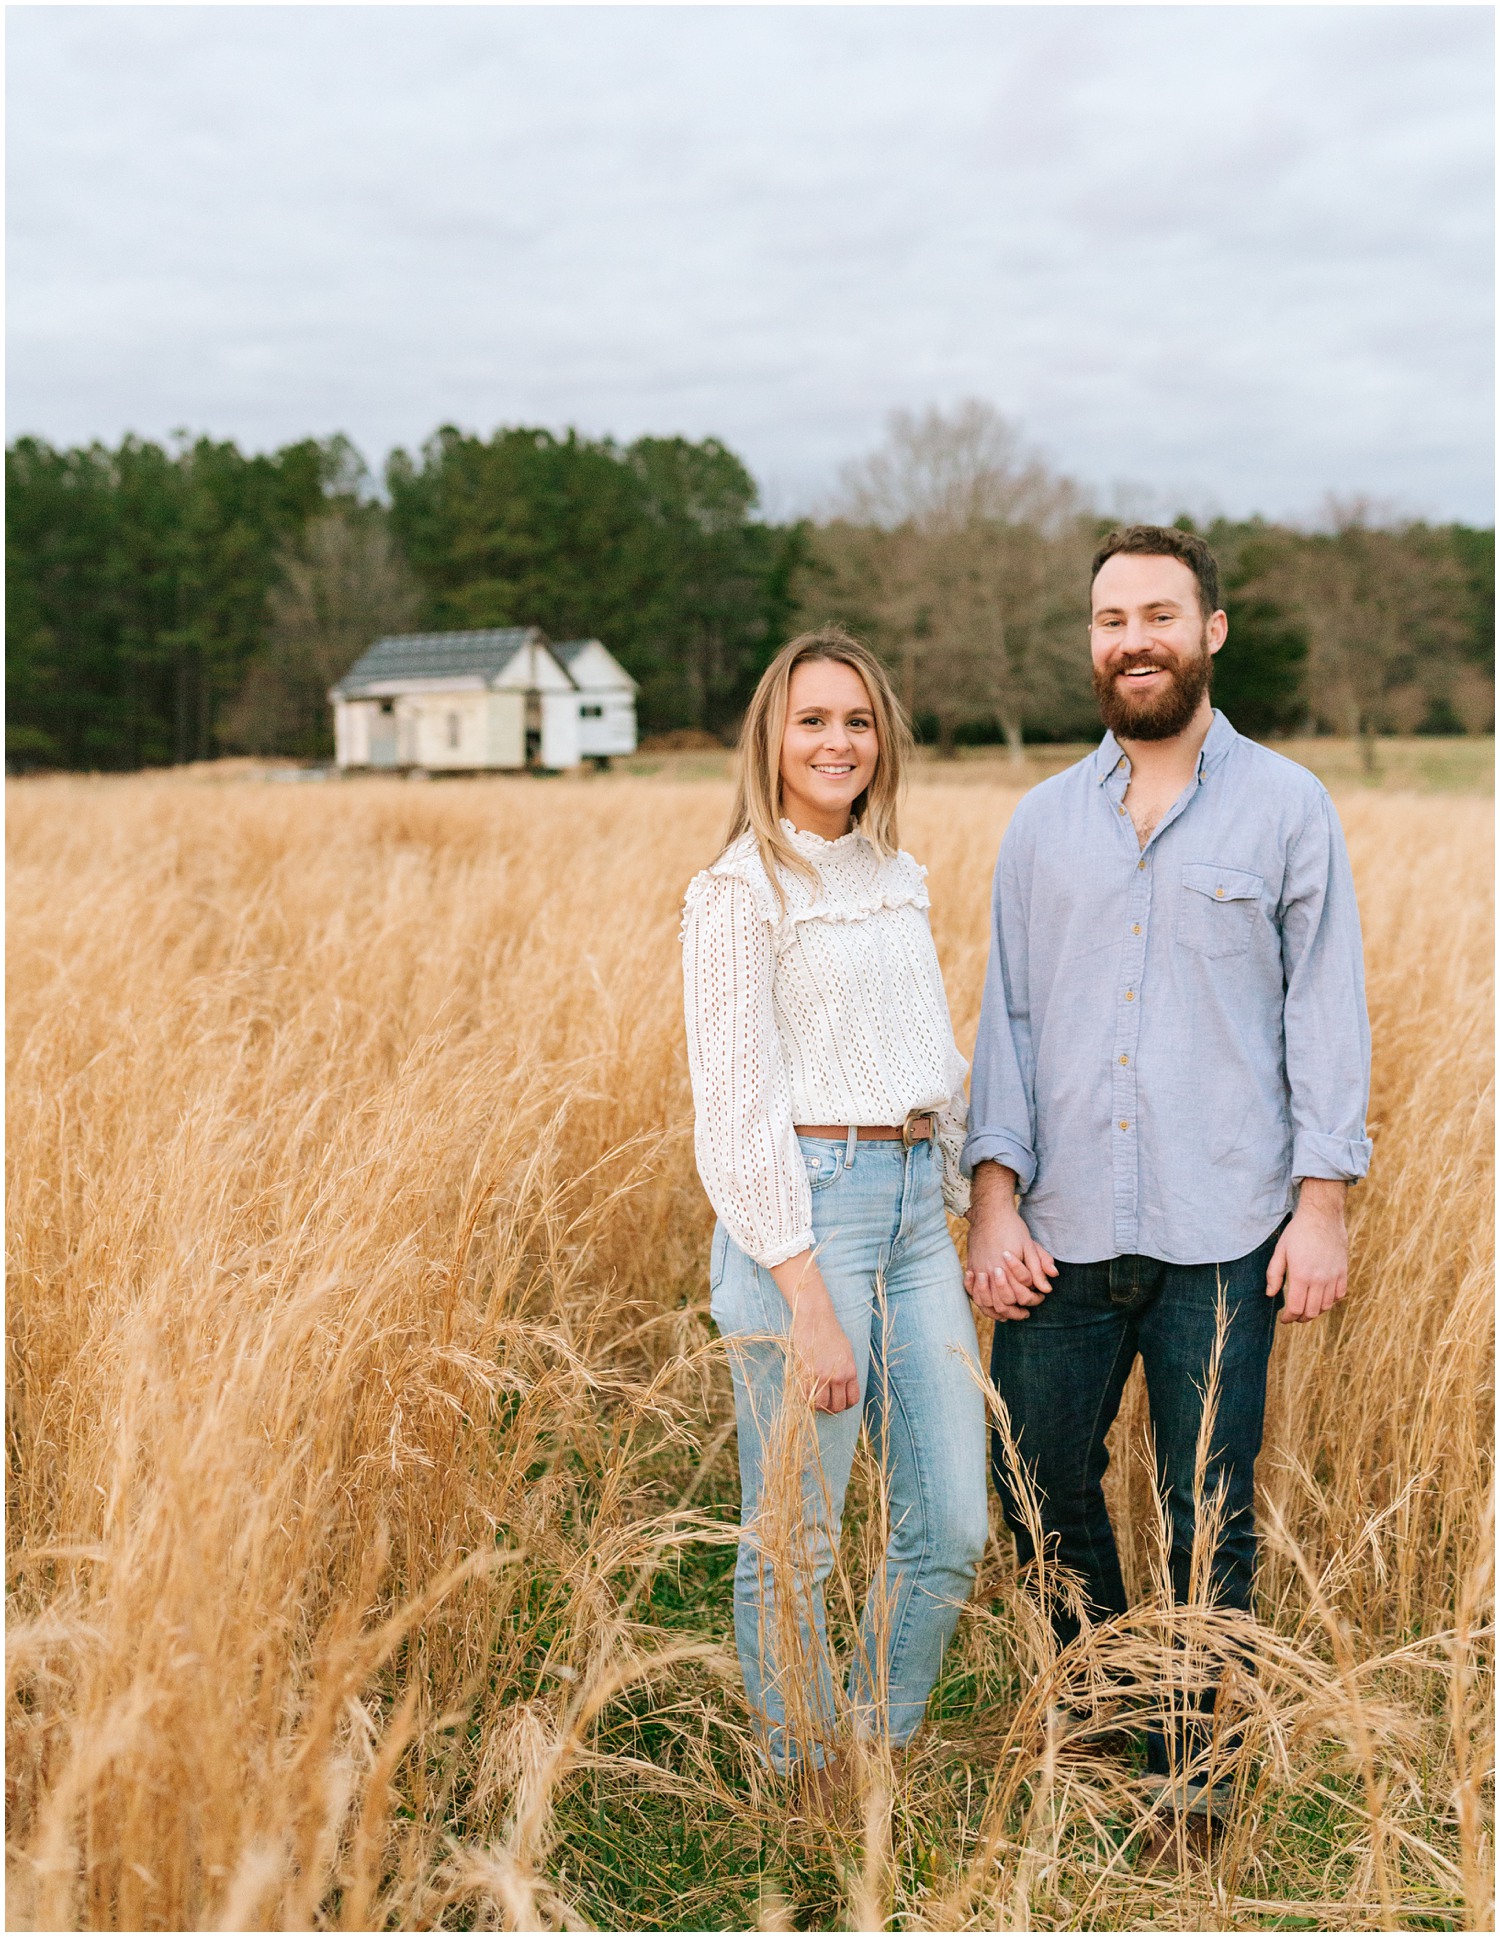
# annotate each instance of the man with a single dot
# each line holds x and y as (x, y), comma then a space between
(1171, 1074)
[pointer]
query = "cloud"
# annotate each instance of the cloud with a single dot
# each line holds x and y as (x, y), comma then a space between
(1236, 254)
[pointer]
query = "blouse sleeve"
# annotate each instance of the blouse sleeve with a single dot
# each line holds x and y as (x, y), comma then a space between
(950, 1120)
(747, 1150)
(951, 1124)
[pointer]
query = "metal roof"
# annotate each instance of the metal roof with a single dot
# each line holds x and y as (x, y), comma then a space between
(438, 655)
(569, 650)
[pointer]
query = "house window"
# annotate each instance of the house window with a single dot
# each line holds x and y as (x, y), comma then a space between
(591, 712)
(455, 725)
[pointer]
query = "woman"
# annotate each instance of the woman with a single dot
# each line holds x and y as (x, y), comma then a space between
(830, 1117)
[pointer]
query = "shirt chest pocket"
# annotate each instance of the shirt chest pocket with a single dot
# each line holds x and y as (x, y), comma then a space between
(1216, 912)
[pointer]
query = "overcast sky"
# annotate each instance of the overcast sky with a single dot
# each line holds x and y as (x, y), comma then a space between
(1235, 258)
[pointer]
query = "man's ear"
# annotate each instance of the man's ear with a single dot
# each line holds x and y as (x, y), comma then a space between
(1218, 630)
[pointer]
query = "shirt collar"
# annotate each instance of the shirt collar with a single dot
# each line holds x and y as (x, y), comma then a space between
(1107, 756)
(1220, 737)
(806, 842)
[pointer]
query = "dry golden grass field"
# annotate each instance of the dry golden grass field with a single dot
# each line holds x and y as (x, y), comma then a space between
(371, 1485)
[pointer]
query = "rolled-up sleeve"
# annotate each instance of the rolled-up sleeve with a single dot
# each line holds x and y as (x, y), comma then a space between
(747, 1150)
(1002, 1121)
(1326, 1021)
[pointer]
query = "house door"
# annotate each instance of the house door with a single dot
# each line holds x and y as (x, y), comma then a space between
(533, 729)
(383, 734)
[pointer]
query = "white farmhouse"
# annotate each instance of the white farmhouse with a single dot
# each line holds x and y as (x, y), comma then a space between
(466, 701)
(606, 707)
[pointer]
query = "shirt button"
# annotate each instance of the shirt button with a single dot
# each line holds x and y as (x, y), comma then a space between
(1218, 894)
(1140, 864)
(1124, 1059)
(1136, 930)
(1123, 1124)
(1130, 995)
(1122, 810)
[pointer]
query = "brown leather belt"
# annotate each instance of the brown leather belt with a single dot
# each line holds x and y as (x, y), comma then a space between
(916, 1129)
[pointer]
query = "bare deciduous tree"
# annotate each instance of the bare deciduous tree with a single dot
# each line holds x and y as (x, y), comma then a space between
(1382, 607)
(339, 591)
(967, 555)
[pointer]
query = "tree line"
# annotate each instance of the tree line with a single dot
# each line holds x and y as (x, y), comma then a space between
(174, 603)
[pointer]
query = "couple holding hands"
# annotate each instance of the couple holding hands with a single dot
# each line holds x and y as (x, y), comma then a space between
(1168, 1104)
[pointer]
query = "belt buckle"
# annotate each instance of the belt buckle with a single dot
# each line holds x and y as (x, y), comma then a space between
(908, 1141)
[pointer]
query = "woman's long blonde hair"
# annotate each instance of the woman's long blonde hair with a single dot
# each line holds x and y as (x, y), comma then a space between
(757, 793)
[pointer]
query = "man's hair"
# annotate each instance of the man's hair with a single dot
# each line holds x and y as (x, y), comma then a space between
(1166, 541)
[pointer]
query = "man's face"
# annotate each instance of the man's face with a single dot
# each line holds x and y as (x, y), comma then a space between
(1152, 647)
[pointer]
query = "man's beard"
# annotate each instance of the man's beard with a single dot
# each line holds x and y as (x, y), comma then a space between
(1159, 715)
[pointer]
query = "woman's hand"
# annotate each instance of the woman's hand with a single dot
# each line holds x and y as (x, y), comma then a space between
(825, 1358)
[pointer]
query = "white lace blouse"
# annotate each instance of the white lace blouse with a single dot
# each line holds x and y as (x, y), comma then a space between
(831, 1011)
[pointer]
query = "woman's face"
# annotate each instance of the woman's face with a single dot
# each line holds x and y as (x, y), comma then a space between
(829, 746)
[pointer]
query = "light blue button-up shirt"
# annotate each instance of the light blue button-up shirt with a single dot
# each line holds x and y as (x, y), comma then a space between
(1171, 1035)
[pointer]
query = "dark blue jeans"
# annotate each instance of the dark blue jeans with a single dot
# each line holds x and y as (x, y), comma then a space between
(1061, 1373)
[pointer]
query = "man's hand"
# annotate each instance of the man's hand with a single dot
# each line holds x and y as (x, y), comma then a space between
(1311, 1260)
(825, 1358)
(1008, 1271)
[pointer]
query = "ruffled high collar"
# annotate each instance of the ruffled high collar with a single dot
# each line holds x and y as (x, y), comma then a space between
(809, 843)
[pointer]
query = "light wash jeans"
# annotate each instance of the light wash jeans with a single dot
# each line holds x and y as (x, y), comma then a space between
(885, 1254)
